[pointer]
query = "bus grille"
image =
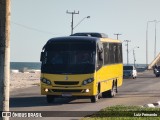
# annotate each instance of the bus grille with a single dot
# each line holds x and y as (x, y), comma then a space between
(66, 82)
(66, 90)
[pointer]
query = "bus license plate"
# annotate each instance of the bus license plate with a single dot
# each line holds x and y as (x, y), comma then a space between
(66, 94)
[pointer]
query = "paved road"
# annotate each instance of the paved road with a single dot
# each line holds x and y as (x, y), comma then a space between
(143, 90)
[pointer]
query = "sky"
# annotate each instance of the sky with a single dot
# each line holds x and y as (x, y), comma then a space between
(33, 22)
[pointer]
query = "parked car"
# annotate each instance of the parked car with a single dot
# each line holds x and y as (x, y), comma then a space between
(129, 71)
(156, 71)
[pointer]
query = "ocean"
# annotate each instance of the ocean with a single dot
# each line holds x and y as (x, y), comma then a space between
(25, 65)
(37, 65)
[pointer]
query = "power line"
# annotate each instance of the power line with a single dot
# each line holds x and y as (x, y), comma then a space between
(31, 28)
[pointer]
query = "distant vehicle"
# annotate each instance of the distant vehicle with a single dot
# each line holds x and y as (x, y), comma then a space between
(156, 71)
(129, 71)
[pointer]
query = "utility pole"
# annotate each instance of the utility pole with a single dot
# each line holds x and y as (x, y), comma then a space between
(155, 40)
(134, 56)
(147, 40)
(72, 19)
(155, 44)
(4, 55)
(117, 35)
(127, 41)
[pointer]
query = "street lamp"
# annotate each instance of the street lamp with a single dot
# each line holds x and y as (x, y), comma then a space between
(127, 41)
(134, 56)
(80, 22)
(155, 21)
(147, 42)
(155, 43)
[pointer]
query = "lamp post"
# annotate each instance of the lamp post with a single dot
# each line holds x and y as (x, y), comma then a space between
(155, 43)
(80, 22)
(72, 25)
(127, 41)
(134, 56)
(155, 21)
(147, 42)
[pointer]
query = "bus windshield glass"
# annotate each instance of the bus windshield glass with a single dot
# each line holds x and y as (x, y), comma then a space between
(70, 57)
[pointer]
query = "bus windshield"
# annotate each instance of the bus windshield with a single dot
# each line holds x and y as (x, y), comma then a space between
(69, 58)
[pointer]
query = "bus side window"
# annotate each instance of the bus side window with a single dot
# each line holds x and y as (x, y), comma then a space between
(42, 57)
(100, 51)
(99, 59)
(100, 56)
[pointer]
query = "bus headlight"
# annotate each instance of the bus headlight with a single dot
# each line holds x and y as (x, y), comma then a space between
(85, 82)
(44, 80)
(48, 82)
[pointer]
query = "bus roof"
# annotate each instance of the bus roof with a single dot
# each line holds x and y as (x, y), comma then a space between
(91, 34)
(80, 38)
(83, 38)
(74, 38)
(86, 36)
(103, 37)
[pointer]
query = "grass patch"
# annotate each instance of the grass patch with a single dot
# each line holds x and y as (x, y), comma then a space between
(121, 112)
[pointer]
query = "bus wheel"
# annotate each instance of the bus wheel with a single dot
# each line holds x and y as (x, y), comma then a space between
(113, 91)
(95, 97)
(50, 98)
(110, 93)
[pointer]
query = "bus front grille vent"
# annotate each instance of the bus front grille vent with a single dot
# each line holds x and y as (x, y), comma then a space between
(66, 82)
(66, 90)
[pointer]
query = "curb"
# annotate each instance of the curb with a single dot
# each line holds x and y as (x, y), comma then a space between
(153, 105)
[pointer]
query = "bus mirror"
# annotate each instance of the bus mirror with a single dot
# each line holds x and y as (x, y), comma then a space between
(42, 56)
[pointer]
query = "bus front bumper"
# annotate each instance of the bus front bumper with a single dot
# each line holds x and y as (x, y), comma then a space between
(67, 92)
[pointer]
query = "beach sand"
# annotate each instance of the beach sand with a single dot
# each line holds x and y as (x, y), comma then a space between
(23, 80)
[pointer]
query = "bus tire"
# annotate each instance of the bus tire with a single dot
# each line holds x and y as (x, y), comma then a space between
(95, 97)
(110, 93)
(113, 91)
(49, 98)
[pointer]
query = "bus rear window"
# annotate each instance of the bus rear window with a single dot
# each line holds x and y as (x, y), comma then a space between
(127, 67)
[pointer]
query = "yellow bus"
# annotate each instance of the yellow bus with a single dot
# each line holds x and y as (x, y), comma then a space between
(83, 65)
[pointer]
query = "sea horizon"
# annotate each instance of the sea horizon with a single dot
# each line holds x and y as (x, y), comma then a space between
(25, 65)
(37, 65)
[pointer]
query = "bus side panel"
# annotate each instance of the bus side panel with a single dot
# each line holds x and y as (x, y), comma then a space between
(107, 74)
